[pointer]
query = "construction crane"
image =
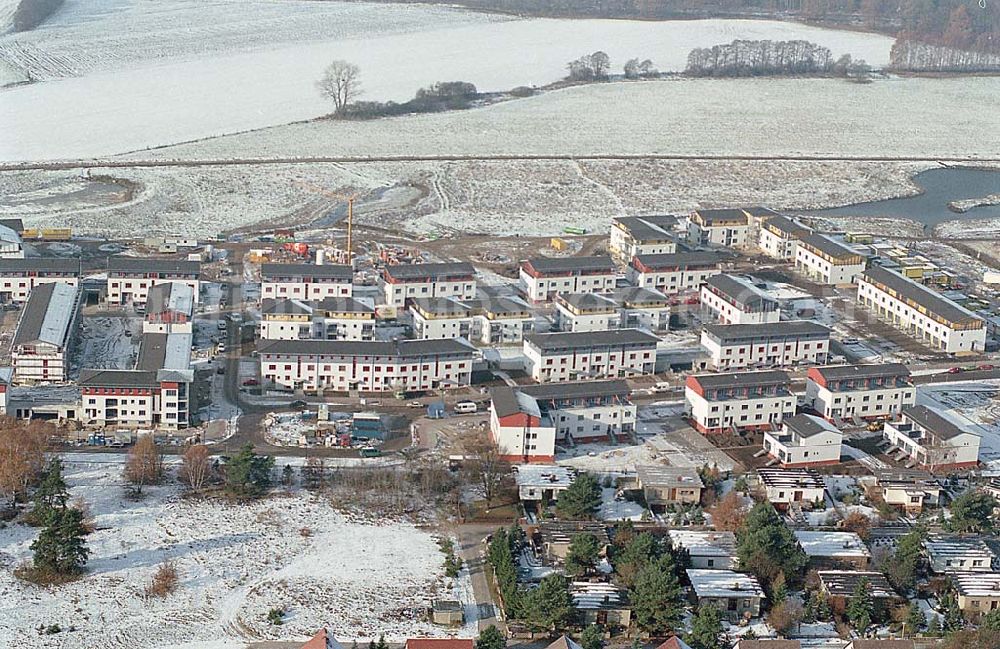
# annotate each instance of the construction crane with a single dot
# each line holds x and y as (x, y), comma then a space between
(350, 212)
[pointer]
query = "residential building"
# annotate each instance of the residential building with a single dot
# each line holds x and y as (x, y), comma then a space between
(978, 592)
(720, 403)
(804, 440)
(447, 612)
(130, 278)
(920, 312)
(642, 308)
(620, 353)
(439, 643)
(885, 643)
(909, 490)
(708, 550)
(285, 319)
(18, 277)
(542, 483)
(555, 537)
(543, 277)
(840, 586)
(733, 300)
(825, 261)
(169, 309)
(368, 366)
(40, 348)
(136, 398)
(436, 318)
(500, 320)
(333, 318)
(926, 437)
(768, 644)
(517, 428)
(323, 639)
(846, 392)
(736, 595)
(778, 344)
(954, 553)
(784, 488)
(675, 273)
(402, 282)
(601, 603)
(642, 235)
(834, 550)
(726, 227)
(667, 486)
(11, 246)
(6, 381)
(305, 282)
(779, 237)
(586, 312)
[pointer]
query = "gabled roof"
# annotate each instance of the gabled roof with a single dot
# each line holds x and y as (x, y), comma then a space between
(41, 264)
(841, 372)
(828, 247)
(918, 294)
(153, 265)
(740, 292)
(440, 643)
(118, 378)
(831, 544)
(421, 271)
(586, 302)
(657, 476)
(572, 264)
(322, 640)
(768, 644)
(808, 425)
(269, 272)
(841, 583)
(681, 260)
(648, 228)
(935, 422)
(563, 642)
(674, 642)
(771, 330)
(47, 315)
(637, 296)
(170, 296)
(577, 339)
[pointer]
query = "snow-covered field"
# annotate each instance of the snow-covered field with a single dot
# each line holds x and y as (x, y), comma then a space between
(135, 75)
(358, 577)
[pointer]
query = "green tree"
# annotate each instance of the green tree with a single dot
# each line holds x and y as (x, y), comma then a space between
(706, 629)
(914, 619)
(582, 556)
(491, 638)
(972, 512)
(766, 547)
(248, 475)
(60, 547)
(549, 607)
(581, 499)
(657, 603)
(953, 620)
(592, 637)
(501, 558)
(901, 569)
(990, 621)
(381, 644)
(861, 607)
(52, 494)
(934, 627)
(630, 559)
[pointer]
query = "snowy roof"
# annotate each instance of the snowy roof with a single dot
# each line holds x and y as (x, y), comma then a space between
(832, 544)
(543, 475)
(841, 583)
(599, 596)
(705, 543)
(47, 315)
(906, 478)
(160, 351)
(564, 531)
(8, 235)
(801, 478)
(171, 296)
(6, 375)
(942, 548)
(723, 583)
(982, 584)
(668, 476)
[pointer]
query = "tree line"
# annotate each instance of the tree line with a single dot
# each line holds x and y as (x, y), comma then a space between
(744, 58)
(914, 56)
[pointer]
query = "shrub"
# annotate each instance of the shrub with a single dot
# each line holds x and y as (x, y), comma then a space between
(164, 581)
(276, 616)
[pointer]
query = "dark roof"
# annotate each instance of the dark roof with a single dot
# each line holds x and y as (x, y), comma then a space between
(934, 421)
(576, 389)
(636, 296)
(118, 378)
(50, 264)
(841, 583)
(649, 228)
(158, 297)
(806, 425)
(572, 264)
(741, 292)
(919, 294)
(841, 372)
(829, 246)
(17, 225)
(769, 644)
(153, 265)
(613, 337)
(284, 306)
(742, 379)
(711, 216)
(47, 315)
(419, 271)
(783, 329)
(505, 401)
(788, 226)
(441, 306)
(805, 478)
(404, 348)
(498, 305)
(342, 304)
(683, 259)
(329, 271)
(587, 301)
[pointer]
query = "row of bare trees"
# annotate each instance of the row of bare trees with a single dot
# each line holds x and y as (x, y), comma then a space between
(743, 58)
(913, 56)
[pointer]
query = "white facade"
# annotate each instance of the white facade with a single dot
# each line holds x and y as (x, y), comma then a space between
(41, 344)
(642, 235)
(827, 262)
(720, 403)
(782, 487)
(730, 228)
(779, 237)
(440, 319)
(500, 320)
(329, 319)
(859, 391)
(730, 300)
(804, 440)
(18, 277)
(409, 281)
(130, 278)
(672, 274)
(586, 312)
(707, 550)
(925, 437)
(780, 344)
(601, 354)
(541, 279)
(305, 281)
(135, 398)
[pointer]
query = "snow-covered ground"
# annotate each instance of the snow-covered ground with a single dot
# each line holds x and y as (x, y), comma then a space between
(236, 562)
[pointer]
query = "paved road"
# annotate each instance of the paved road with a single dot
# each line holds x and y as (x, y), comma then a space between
(471, 547)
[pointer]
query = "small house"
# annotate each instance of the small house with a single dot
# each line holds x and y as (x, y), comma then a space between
(322, 640)
(735, 594)
(839, 586)
(447, 612)
(541, 483)
(706, 549)
(909, 490)
(554, 537)
(978, 592)
(834, 549)
(601, 603)
(666, 486)
(785, 487)
(439, 643)
(768, 644)
(946, 554)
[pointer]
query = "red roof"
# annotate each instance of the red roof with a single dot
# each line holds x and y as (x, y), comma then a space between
(439, 643)
(322, 640)
(674, 643)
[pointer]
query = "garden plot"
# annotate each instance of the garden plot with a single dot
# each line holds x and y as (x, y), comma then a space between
(358, 577)
(975, 403)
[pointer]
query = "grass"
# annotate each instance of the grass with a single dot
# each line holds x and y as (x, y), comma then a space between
(44, 577)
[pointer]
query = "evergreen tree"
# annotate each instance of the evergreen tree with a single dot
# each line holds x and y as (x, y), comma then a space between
(582, 556)
(972, 512)
(990, 621)
(706, 629)
(901, 570)
(914, 619)
(592, 637)
(501, 558)
(953, 620)
(549, 607)
(287, 475)
(766, 547)
(60, 547)
(630, 559)
(248, 475)
(491, 638)
(382, 644)
(656, 598)
(52, 494)
(581, 499)
(861, 607)
(934, 627)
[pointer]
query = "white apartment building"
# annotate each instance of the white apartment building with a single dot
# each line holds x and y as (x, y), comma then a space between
(40, 348)
(440, 318)
(543, 277)
(846, 392)
(783, 487)
(130, 278)
(922, 313)
(619, 353)
(730, 228)
(927, 438)
(333, 318)
(675, 273)
(720, 403)
(305, 282)
(169, 309)
(779, 344)
(779, 237)
(18, 277)
(734, 300)
(500, 320)
(404, 282)
(586, 312)
(642, 308)
(642, 235)
(825, 261)
(804, 440)
(403, 366)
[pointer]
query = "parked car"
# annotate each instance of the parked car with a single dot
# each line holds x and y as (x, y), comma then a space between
(415, 404)
(298, 404)
(986, 367)
(954, 370)
(465, 407)
(251, 381)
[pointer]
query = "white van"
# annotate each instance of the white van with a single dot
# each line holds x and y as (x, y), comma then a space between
(465, 407)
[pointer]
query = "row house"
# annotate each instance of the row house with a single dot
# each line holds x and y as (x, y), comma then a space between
(908, 490)
(169, 309)
(925, 437)
(780, 344)
(403, 282)
(619, 353)
(586, 312)
(675, 273)
(18, 277)
(130, 278)
(526, 422)
(544, 277)
(848, 392)
(305, 281)
(720, 403)
(136, 398)
(333, 318)
(920, 312)
(730, 228)
(665, 487)
(369, 366)
(733, 300)
(41, 345)
(440, 318)
(779, 237)
(785, 488)
(642, 308)
(833, 550)
(825, 261)
(804, 440)
(500, 320)
(11, 245)
(642, 235)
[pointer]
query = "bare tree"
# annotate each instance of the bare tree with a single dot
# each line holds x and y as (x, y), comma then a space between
(22, 455)
(341, 84)
(196, 467)
(486, 466)
(145, 463)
